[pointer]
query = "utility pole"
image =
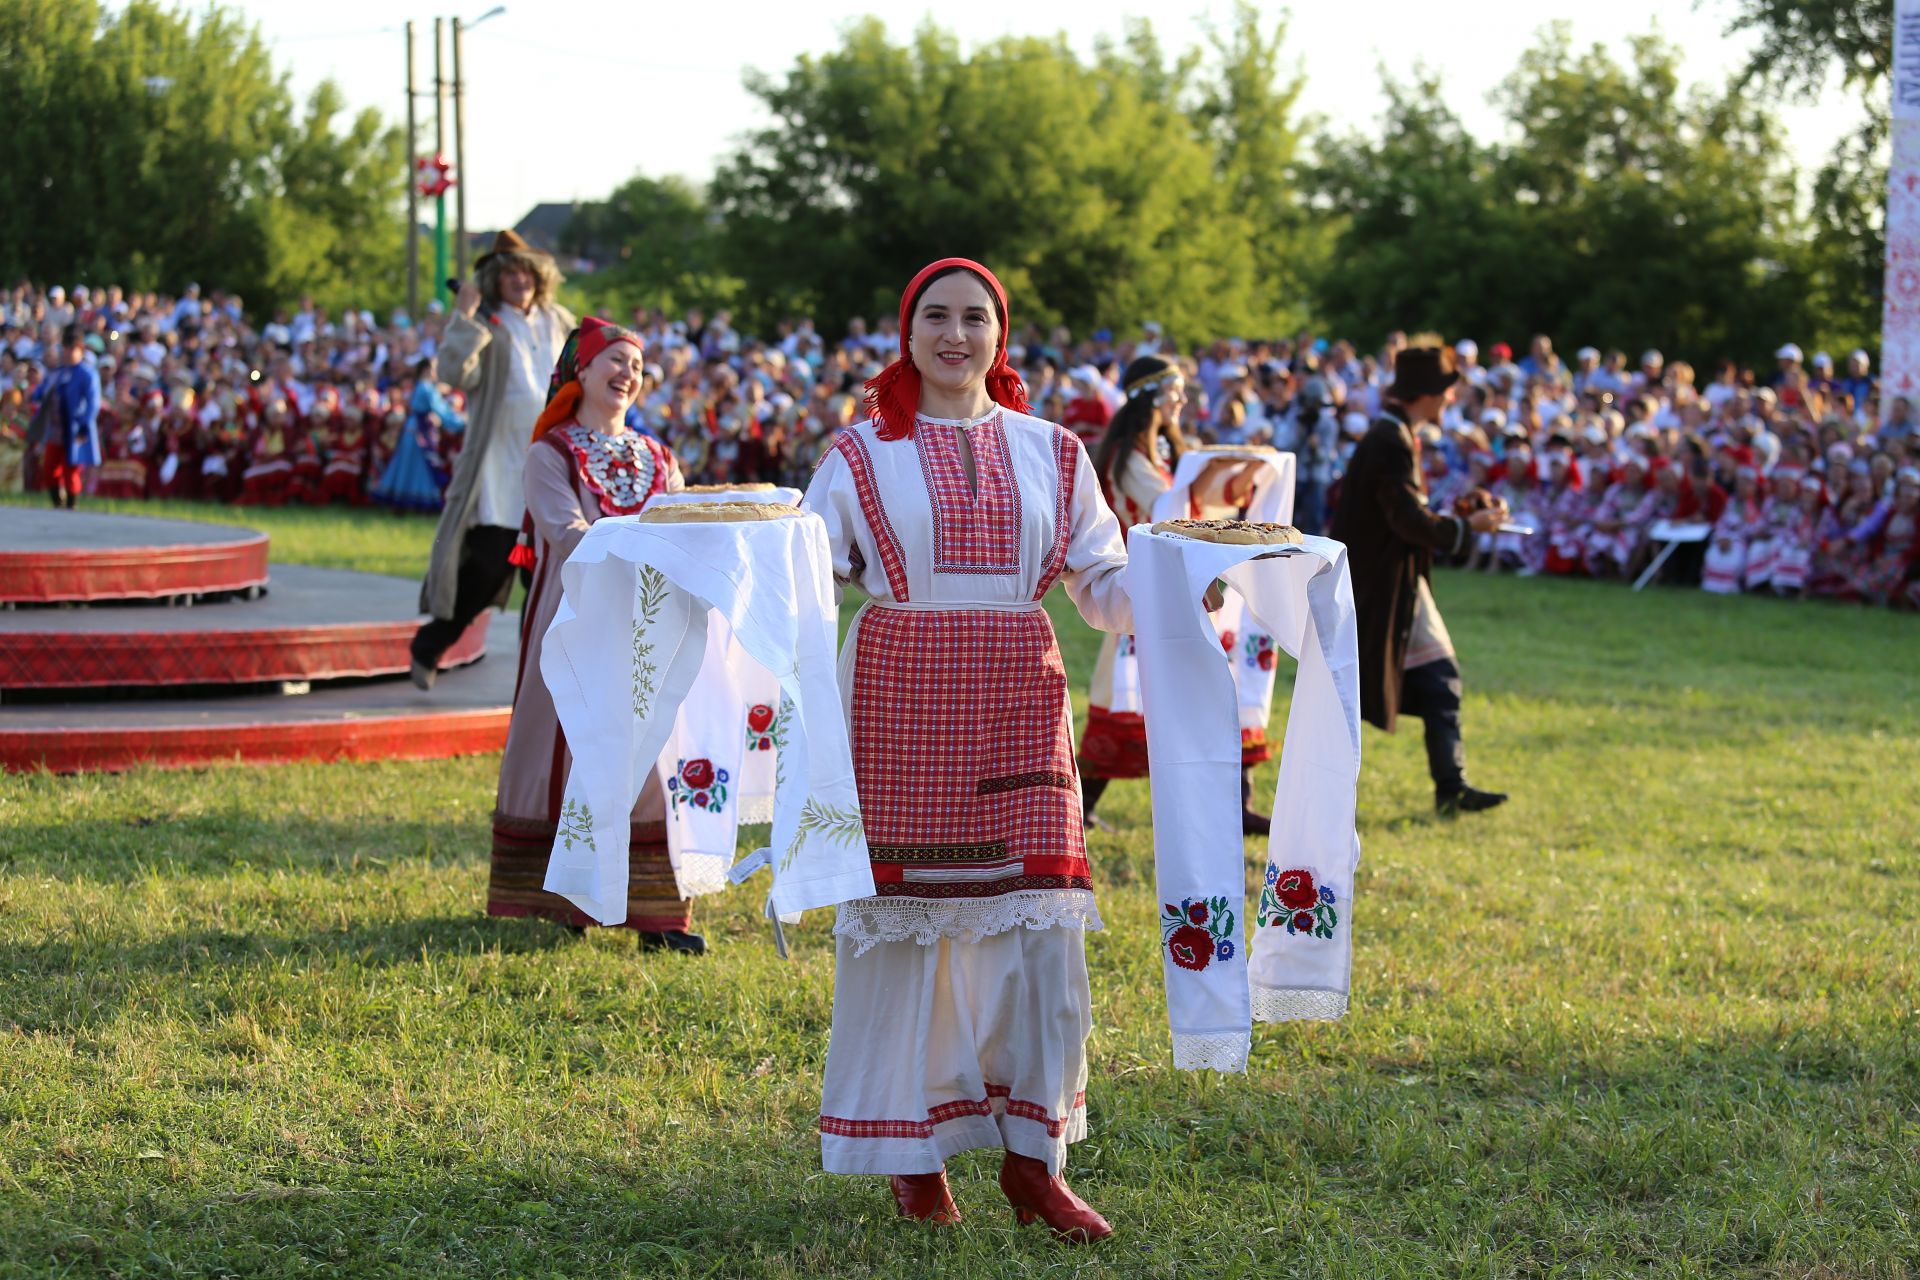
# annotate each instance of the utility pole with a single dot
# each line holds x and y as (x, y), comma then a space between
(461, 249)
(439, 151)
(413, 195)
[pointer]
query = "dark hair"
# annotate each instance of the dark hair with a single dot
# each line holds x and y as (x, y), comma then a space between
(72, 335)
(1133, 418)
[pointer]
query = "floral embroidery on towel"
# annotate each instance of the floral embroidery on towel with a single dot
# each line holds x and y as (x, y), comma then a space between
(1197, 932)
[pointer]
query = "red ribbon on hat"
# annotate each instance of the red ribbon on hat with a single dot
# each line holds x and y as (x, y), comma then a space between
(893, 394)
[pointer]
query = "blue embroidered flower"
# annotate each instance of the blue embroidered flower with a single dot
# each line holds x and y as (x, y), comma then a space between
(1326, 895)
(1223, 949)
(1273, 873)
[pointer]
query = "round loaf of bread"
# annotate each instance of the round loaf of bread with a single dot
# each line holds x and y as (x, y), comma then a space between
(716, 512)
(1244, 533)
(755, 486)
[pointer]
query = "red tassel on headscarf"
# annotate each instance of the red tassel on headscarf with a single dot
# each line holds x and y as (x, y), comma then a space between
(893, 394)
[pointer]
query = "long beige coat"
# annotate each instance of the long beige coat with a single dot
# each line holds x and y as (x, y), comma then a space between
(471, 360)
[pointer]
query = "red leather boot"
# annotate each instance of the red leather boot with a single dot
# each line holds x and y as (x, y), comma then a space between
(1035, 1193)
(924, 1196)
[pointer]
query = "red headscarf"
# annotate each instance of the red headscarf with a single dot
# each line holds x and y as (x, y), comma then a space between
(893, 395)
(582, 347)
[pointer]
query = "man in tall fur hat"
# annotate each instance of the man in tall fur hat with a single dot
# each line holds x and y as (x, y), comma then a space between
(1406, 657)
(499, 347)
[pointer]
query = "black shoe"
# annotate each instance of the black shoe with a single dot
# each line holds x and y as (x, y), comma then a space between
(1467, 800)
(423, 676)
(691, 944)
(1251, 823)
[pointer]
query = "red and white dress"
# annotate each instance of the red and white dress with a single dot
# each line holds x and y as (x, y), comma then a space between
(1115, 744)
(961, 1005)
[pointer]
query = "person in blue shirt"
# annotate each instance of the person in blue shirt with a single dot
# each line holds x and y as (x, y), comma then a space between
(67, 421)
(415, 478)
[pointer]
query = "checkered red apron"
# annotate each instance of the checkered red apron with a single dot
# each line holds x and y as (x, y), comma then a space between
(963, 751)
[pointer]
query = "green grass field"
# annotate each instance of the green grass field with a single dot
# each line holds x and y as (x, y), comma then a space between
(1657, 1017)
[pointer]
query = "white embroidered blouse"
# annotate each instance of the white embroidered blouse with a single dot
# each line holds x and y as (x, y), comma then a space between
(906, 526)
(892, 543)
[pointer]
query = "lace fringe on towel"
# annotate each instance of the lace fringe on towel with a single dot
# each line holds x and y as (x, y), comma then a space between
(870, 921)
(1291, 1004)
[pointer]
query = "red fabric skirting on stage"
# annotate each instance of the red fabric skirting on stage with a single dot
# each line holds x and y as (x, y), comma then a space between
(132, 573)
(398, 737)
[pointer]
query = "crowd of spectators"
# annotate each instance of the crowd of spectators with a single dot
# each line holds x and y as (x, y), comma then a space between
(1785, 480)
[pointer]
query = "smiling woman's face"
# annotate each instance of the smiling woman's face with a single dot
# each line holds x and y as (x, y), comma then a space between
(611, 379)
(956, 331)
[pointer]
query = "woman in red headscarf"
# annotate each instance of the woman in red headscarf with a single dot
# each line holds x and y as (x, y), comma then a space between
(961, 1007)
(584, 464)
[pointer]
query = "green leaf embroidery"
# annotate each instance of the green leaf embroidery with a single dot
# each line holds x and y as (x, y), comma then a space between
(831, 822)
(782, 723)
(652, 597)
(576, 824)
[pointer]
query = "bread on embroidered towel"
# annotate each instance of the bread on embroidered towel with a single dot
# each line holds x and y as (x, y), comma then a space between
(626, 648)
(755, 492)
(1244, 533)
(1249, 648)
(715, 512)
(759, 690)
(1301, 956)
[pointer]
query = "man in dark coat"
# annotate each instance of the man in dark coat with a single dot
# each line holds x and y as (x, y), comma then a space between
(1406, 657)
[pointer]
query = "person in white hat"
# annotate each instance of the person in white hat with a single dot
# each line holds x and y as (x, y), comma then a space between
(1586, 363)
(1470, 369)
(1789, 357)
(1858, 384)
(1647, 382)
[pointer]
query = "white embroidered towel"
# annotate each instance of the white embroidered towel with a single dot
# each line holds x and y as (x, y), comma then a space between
(703, 765)
(1253, 659)
(758, 690)
(625, 648)
(1302, 944)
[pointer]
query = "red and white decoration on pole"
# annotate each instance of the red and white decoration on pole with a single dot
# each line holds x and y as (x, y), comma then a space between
(435, 174)
(1900, 318)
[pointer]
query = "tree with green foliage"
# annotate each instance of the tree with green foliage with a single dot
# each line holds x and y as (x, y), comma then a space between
(148, 148)
(1247, 108)
(1804, 47)
(1090, 188)
(1625, 210)
(654, 243)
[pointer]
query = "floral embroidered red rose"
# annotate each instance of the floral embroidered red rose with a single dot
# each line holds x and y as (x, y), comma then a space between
(1198, 931)
(1190, 946)
(759, 717)
(1295, 890)
(1227, 641)
(697, 774)
(1292, 899)
(1266, 659)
